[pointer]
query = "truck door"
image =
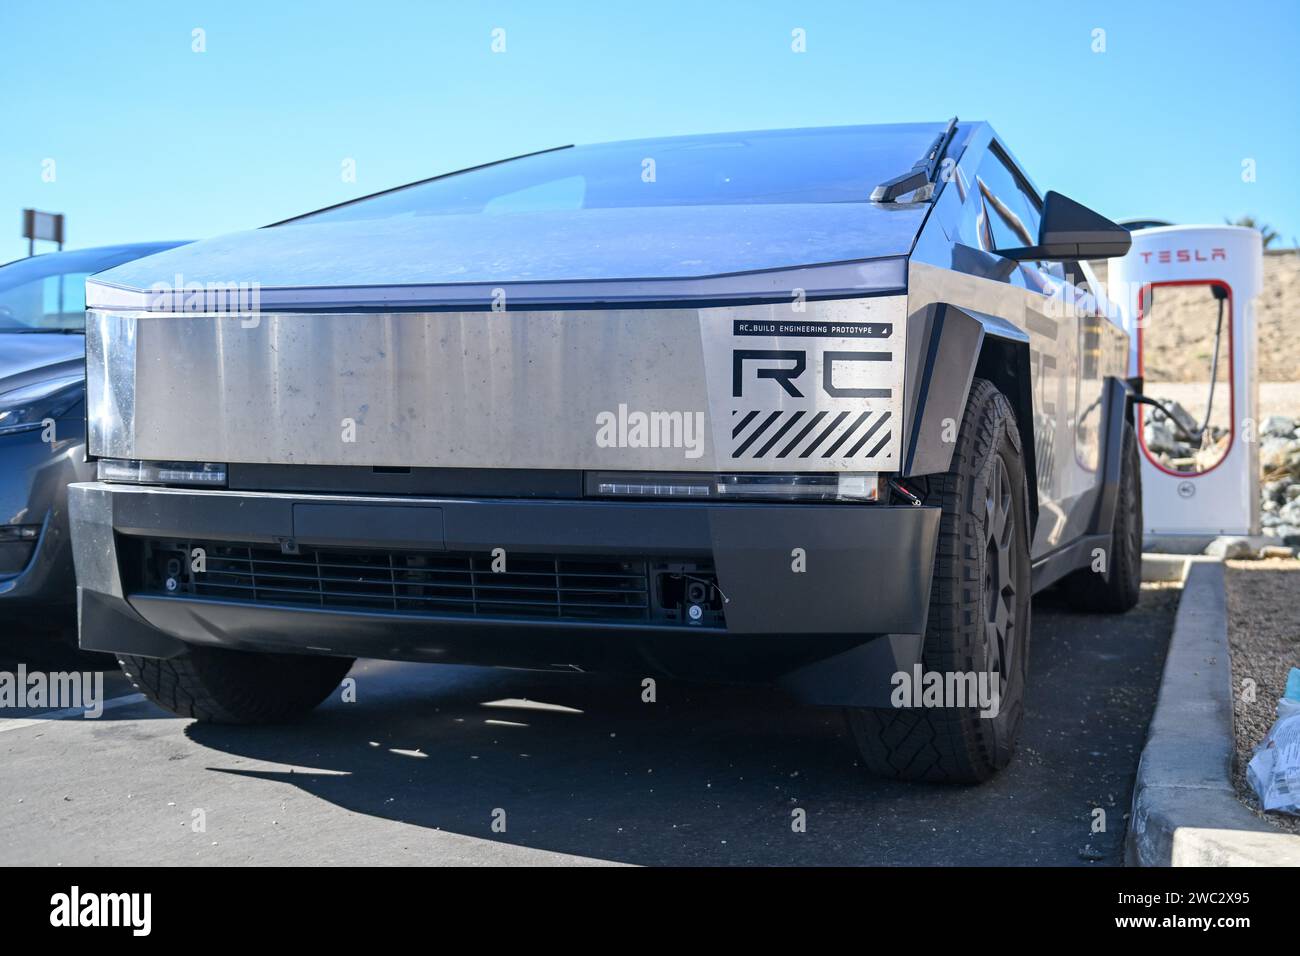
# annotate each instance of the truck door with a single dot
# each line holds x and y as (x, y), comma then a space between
(1047, 306)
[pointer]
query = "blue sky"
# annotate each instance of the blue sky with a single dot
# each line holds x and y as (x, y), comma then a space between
(151, 140)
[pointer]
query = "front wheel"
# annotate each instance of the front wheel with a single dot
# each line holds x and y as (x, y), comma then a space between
(220, 686)
(977, 636)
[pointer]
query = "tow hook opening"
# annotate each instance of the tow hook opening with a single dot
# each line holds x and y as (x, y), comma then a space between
(690, 596)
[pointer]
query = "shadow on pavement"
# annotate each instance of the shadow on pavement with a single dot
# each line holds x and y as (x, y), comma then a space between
(578, 763)
(711, 774)
(47, 642)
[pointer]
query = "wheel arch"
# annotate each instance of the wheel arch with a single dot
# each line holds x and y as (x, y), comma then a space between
(957, 346)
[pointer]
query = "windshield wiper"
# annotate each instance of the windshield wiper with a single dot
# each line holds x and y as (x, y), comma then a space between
(24, 331)
(922, 172)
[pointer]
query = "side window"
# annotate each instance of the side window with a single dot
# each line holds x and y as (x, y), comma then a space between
(999, 212)
(1012, 211)
(974, 229)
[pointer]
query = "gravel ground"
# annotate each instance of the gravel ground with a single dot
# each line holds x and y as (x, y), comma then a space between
(1264, 634)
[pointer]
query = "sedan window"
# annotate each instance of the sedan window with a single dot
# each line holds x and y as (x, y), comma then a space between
(47, 293)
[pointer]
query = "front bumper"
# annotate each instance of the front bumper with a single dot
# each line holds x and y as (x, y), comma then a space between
(34, 477)
(831, 599)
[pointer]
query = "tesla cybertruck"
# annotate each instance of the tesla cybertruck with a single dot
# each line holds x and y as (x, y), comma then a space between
(815, 407)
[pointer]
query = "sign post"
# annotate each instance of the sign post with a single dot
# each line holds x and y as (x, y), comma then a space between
(47, 226)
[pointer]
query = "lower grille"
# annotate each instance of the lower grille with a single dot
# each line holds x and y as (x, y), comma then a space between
(561, 587)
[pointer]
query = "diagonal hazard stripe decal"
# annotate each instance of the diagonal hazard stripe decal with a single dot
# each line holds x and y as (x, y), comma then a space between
(794, 420)
(823, 436)
(829, 452)
(753, 436)
(760, 433)
(879, 445)
(735, 432)
(867, 437)
(802, 435)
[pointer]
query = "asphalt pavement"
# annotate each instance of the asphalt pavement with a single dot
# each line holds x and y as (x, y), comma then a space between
(459, 765)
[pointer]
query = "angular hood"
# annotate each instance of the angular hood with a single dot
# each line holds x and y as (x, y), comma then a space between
(589, 245)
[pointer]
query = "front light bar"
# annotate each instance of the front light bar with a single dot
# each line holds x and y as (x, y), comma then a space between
(847, 486)
(204, 473)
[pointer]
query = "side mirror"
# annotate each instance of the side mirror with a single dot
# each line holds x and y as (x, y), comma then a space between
(1071, 231)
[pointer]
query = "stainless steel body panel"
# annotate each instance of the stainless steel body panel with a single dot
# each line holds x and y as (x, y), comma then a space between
(660, 389)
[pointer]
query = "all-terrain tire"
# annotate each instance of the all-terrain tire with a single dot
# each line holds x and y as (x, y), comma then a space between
(220, 686)
(979, 610)
(1089, 590)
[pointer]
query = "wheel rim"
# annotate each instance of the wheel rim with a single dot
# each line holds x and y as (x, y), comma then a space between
(999, 573)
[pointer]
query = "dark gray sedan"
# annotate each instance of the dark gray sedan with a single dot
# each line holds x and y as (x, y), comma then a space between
(42, 415)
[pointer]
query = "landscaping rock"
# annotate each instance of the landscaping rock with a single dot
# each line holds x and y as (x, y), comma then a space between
(1276, 551)
(1278, 426)
(1230, 547)
(1279, 489)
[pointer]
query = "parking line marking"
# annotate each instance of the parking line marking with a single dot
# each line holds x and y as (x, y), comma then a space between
(18, 723)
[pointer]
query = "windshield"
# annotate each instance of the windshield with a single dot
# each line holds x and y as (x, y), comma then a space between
(47, 293)
(800, 166)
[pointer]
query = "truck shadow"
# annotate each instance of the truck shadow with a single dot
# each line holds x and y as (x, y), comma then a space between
(706, 774)
(576, 764)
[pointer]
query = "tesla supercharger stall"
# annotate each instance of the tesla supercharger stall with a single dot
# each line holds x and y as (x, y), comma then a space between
(1187, 298)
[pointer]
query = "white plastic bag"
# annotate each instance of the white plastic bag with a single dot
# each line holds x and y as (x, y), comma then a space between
(1274, 770)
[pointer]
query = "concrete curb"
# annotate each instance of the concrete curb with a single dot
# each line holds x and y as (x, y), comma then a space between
(1164, 567)
(1171, 567)
(1185, 811)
